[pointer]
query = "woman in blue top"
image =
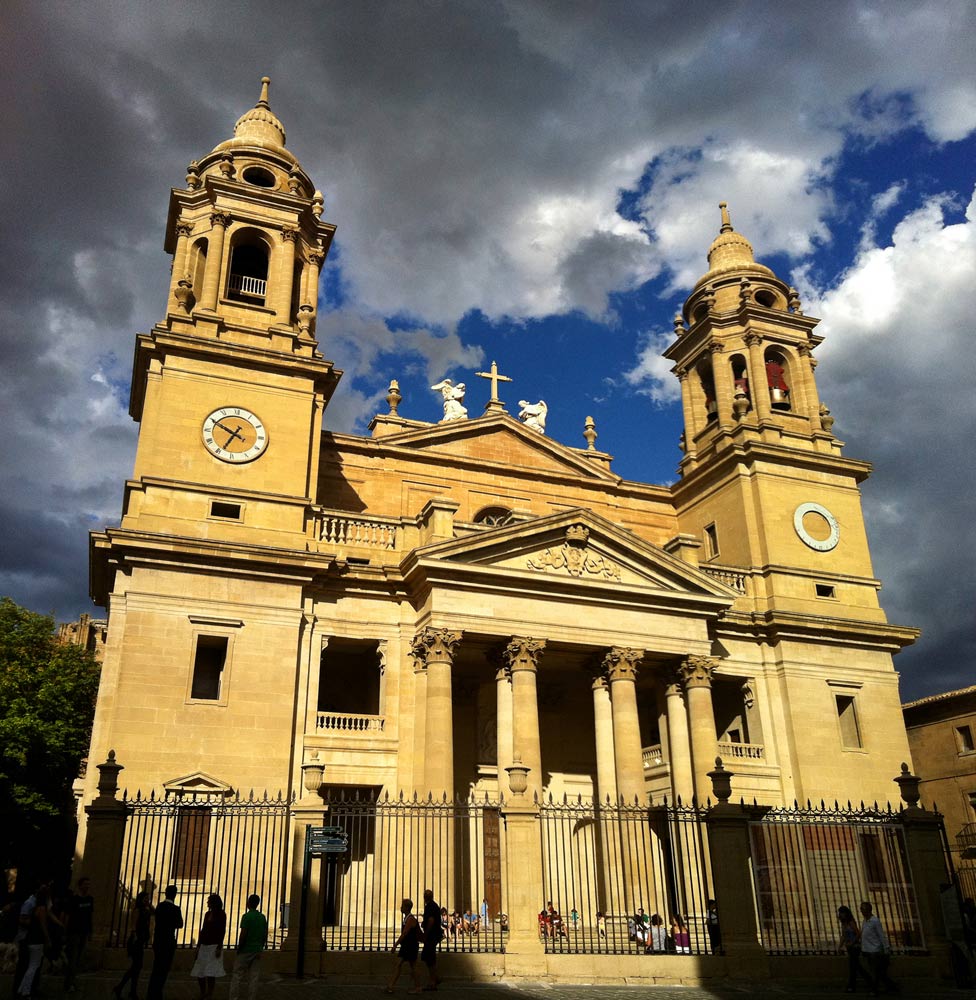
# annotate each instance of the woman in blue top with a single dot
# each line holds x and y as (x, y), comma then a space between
(850, 942)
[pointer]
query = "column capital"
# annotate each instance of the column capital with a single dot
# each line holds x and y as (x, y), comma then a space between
(696, 671)
(434, 645)
(221, 219)
(289, 234)
(753, 339)
(184, 228)
(673, 682)
(315, 257)
(600, 683)
(524, 653)
(621, 663)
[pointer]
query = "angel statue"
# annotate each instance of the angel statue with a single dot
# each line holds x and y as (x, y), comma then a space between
(533, 415)
(453, 396)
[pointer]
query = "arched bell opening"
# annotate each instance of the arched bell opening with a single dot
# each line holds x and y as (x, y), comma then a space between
(778, 379)
(741, 394)
(248, 278)
(707, 379)
(198, 264)
(769, 298)
(296, 290)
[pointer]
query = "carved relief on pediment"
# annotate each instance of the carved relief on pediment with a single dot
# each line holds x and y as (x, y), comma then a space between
(575, 557)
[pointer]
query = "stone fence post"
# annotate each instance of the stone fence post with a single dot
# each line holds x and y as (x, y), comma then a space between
(103, 848)
(730, 851)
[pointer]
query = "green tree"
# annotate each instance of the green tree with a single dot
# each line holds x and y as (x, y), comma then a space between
(47, 701)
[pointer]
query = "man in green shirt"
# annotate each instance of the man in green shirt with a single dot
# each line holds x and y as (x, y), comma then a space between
(250, 944)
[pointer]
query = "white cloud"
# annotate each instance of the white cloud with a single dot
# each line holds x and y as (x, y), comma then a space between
(651, 375)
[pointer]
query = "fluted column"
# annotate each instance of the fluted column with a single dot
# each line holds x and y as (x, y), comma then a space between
(621, 665)
(436, 647)
(758, 383)
(286, 276)
(522, 655)
(696, 672)
(606, 774)
(503, 719)
(219, 222)
(679, 747)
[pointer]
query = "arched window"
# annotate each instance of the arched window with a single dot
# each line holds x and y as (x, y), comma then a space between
(248, 280)
(198, 266)
(778, 379)
(493, 517)
(708, 388)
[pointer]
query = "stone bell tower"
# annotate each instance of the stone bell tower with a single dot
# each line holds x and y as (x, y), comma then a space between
(767, 500)
(229, 389)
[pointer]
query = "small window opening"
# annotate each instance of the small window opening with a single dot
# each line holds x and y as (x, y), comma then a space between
(349, 682)
(850, 732)
(259, 176)
(708, 388)
(208, 667)
(779, 391)
(231, 511)
(711, 542)
(964, 739)
(248, 280)
(357, 561)
(825, 590)
(493, 517)
(766, 298)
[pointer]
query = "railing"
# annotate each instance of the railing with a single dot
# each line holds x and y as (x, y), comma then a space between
(652, 757)
(605, 863)
(203, 844)
(742, 751)
(397, 848)
(242, 284)
(966, 837)
(807, 862)
(367, 532)
(347, 722)
(733, 578)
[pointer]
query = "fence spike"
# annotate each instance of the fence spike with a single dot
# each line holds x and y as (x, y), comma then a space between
(755, 801)
(152, 795)
(742, 801)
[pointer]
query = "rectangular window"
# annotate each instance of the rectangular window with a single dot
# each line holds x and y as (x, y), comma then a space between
(850, 732)
(191, 843)
(231, 511)
(964, 739)
(208, 667)
(711, 541)
(825, 590)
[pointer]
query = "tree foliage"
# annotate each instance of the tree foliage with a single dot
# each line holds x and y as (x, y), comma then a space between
(47, 701)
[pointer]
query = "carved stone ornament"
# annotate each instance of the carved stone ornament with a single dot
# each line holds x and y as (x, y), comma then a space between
(589, 433)
(826, 420)
(318, 204)
(453, 397)
(793, 302)
(289, 234)
(753, 339)
(435, 645)
(748, 695)
(220, 219)
(533, 415)
(184, 228)
(193, 176)
(576, 558)
(393, 397)
(227, 166)
(305, 318)
(696, 671)
(524, 653)
(621, 663)
(183, 293)
(316, 257)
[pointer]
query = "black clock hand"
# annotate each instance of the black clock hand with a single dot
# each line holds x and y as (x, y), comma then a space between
(233, 433)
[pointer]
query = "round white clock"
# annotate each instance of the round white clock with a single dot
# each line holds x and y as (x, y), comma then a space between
(234, 434)
(833, 528)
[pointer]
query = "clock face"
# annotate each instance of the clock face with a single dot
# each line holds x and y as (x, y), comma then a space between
(234, 434)
(816, 526)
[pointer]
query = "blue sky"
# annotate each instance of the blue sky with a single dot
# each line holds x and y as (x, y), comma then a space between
(534, 183)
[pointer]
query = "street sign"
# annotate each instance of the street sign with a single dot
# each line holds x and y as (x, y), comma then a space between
(327, 840)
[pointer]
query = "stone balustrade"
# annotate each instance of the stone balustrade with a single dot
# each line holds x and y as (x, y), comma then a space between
(652, 757)
(343, 529)
(735, 579)
(742, 751)
(347, 722)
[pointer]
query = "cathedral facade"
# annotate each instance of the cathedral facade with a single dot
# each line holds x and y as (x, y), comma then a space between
(420, 609)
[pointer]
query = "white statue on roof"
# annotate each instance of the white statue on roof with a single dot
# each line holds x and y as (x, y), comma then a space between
(453, 396)
(533, 415)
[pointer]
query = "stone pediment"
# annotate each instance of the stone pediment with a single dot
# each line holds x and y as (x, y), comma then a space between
(572, 547)
(197, 785)
(499, 439)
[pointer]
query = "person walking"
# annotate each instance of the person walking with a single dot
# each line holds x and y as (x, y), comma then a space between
(36, 938)
(850, 943)
(79, 910)
(876, 950)
(409, 944)
(432, 938)
(209, 965)
(250, 945)
(169, 919)
(135, 945)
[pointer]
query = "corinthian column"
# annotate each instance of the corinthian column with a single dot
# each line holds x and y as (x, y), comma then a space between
(503, 720)
(679, 748)
(435, 647)
(621, 665)
(696, 672)
(606, 775)
(219, 222)
(522, 655)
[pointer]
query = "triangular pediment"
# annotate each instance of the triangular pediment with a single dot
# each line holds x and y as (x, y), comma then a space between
(574, 547)
(499, 439)
(197, 785)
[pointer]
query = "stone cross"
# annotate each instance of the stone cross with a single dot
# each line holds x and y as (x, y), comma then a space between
(494, 405)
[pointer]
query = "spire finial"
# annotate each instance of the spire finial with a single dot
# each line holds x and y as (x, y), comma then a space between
(726, 221)
(263, 100)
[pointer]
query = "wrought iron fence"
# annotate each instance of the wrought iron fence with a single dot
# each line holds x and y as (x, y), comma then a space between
(808, 862)
(204, 844)
(397, 848)
(622, 879)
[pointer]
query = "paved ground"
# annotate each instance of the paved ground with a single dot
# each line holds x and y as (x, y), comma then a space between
(97, 986)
